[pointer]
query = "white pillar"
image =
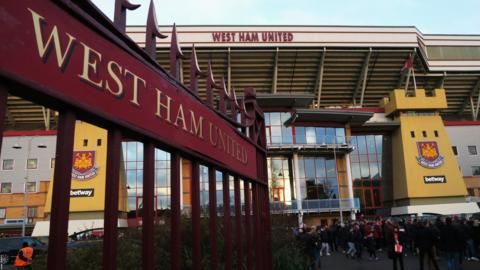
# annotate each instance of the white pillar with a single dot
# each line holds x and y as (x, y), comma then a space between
(350, 184)
(298, 191)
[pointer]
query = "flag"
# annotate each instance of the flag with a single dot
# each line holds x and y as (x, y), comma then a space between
(408, 64)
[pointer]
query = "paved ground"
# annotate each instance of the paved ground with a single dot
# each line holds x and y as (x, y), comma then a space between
(339, 261)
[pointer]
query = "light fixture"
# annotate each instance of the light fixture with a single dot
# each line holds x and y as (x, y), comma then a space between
(16, 146)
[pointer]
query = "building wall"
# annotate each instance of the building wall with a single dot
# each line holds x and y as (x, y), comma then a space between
(461, 137)
(414, 172)
(19, 147)
(14, 204)
(29, 150)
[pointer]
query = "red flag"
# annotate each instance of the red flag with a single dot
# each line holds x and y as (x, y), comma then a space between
(408, 64)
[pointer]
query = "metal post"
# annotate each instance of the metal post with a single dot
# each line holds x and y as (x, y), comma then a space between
(227, 222)
(350, 186)
(212, 200)
(298, 190)
(256, 225)
(248, 228)
(238, 223)
(111, 199)
(176, 181)
(57, 249)
(196, 233)
(148, 207)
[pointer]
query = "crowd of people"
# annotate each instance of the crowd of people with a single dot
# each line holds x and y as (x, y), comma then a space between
(453, 239)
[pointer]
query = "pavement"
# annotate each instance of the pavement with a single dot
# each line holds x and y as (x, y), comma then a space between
(338, 261)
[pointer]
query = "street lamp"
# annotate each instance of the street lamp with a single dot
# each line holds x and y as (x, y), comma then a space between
(25, 192)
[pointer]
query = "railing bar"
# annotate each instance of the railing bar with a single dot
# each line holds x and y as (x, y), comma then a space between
(196, 233)
(148, 207)
(176, 215)
(212, 195)
(238, 222)
(226, 221)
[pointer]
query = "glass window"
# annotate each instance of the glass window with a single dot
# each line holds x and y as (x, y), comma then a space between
(309, 168)
(377, 200)
(320, 167)
(320, 135)
(2, 212)
(330, 135)
(32, 212)
(276, 133)
(7, 164)
(310, 132)
(368, 198)
(362, 147)
(31, 187)
(6, 188)
(340, 133)
(374, 170)
(454, 149)
(331, 169)
(472, 150)
(364, 168)
(287, 135)
(275, 119)
(379, 143)
(475, 170)
(356, 171)
(300, 135)
(371, 144)
(32, 163)
(267, 118)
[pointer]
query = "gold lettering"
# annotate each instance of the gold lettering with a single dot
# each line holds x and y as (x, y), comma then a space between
(119, 92)
(161, 105)
(195, 129)
(135, 86)
(87, 65)
(222, 140)
(43, 47)
(181, 116)
(244, 156)
(214, 143)
(238, 149)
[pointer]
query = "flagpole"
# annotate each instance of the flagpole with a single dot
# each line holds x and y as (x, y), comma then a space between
(407, 82)
(414, 81)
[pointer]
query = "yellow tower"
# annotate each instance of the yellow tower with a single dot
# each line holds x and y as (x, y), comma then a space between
(426, 176)
(87, 193)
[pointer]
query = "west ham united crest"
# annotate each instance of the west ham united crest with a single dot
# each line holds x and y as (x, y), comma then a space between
(428, 155)
(84, 167)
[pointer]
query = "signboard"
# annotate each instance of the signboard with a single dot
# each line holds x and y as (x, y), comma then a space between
(429, 155)
(54, 53)
(88, 192)
(439, 179)
(252, 37)
(84, 166)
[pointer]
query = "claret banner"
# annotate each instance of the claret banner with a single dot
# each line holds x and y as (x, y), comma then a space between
(48, 50)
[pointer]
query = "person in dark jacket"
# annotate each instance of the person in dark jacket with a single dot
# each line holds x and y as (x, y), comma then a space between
(450, 243)
(425, 241)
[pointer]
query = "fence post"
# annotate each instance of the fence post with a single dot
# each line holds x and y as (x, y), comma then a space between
(238, 223)
(62, 177)
(212, 200)
(227, 227)
(110, 218)
(148, 207)
(196, 233)
(175, 205)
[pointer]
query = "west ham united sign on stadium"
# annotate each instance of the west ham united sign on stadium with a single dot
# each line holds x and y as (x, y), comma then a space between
(429, 156)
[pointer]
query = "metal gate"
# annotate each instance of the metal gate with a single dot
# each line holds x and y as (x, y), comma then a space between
(68, 56)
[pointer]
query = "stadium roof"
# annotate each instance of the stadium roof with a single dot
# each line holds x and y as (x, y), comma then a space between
(314, 66)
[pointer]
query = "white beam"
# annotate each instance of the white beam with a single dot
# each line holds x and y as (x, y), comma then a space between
(319, 81)
(362, 78)
(275, 72)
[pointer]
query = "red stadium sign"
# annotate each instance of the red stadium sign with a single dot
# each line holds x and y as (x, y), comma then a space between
(62, 57)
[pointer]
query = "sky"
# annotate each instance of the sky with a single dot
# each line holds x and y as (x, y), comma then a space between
(429, 16)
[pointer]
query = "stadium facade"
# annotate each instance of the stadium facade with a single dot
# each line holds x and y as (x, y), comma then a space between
(346, 135)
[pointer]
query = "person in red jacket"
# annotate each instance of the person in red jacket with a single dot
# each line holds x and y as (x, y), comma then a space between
(24, 257)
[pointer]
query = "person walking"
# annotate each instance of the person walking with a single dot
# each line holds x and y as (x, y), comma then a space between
(394, 245)
(449, 243)
(425, 240)
(24, 257)
(325, 239)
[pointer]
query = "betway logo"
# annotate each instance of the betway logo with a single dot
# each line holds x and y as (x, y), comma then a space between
(82, 192)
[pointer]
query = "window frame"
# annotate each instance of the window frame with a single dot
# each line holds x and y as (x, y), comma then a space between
(30, 182)
(3, 212)
(473, 147)
(475, 169)
(27, 164)
(1, 188)
(3, 164)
